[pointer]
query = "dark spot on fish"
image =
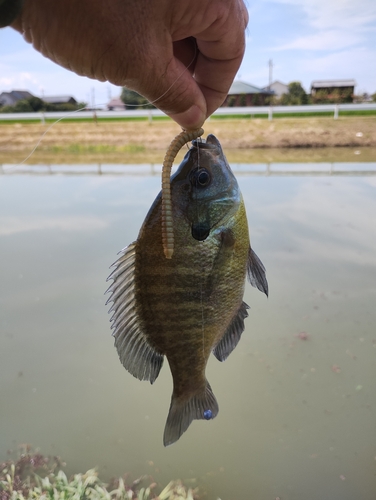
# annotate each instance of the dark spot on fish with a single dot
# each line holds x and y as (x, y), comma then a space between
(200, 231)
(228, 238)
(200, 178)
(208, 414)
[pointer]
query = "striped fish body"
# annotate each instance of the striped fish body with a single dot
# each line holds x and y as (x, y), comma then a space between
(188, 306)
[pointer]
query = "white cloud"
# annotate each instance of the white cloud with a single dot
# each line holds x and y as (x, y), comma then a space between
(348, 15)
(343, 64)
(331, 25)
(27, 69)
(332, 39)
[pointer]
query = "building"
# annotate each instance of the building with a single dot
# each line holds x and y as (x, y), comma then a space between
(116, 104)
(11, 98)
(342, 90)
(278, 88)
(245, 94)
(59, 99)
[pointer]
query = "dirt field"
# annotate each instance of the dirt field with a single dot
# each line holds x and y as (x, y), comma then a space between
(141, 141)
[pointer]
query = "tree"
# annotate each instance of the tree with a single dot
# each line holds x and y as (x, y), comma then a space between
(35, 103)
(133, 100)
(297, 94)
(23, 106)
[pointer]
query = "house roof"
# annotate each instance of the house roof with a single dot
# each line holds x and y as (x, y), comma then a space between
(20, 94)
(17, 95)
(318, 84)
(116, 101)
(239, 87)
(280, 83)
(276, 87)
(53, 99)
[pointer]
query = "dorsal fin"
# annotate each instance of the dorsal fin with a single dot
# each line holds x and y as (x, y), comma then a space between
(232, 335)
(134, 350)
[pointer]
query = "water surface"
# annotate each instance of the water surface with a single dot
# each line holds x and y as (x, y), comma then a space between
(297, 397)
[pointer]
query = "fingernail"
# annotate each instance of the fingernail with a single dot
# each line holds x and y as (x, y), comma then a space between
(191, 119)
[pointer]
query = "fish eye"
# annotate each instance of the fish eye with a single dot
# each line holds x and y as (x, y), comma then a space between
(201, 178)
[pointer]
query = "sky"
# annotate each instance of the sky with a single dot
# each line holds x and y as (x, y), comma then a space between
(306, 40)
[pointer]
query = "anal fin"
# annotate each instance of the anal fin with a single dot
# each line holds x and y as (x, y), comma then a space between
(232, 335)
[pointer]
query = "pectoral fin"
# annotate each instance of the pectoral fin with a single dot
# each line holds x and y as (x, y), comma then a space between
(256, 272)
(232, 336)
(135, 353)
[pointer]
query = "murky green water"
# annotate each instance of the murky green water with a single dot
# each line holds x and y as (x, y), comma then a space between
(297, 417)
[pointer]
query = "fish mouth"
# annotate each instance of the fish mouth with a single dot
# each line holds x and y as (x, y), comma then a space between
(211, 142)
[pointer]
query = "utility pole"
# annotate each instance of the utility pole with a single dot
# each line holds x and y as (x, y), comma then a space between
(270, 72)
(270, 117)
(93, 98)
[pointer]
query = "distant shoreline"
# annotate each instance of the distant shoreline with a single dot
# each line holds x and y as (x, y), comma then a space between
(144, 142)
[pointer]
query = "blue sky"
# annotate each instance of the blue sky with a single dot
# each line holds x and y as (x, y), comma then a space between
(306, 39)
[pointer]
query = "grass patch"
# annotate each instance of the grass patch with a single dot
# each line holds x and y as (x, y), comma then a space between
(315, 114)
(12, 122)
(34, 476)
(275, 116)
(69, 119)
(366, 112)
(77, 148)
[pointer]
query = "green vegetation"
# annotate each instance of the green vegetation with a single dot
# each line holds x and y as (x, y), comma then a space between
(296, 96)
(34, 104)
(76, 148)
(335, 96)
(320, 114)
(34, 476)
(133, 100)
(88, 119)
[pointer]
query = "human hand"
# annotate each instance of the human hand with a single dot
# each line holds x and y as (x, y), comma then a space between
(146, 45)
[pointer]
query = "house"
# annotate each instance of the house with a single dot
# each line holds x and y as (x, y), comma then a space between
(11, 98)
(246, 94)
(341, 90)
(59, 99)
(278, 88)
(116, 104)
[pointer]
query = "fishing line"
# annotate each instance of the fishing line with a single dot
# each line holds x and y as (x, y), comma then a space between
(103, 104)
(201, 262)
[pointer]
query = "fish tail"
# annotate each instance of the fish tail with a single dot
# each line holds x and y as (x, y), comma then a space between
(200, 406)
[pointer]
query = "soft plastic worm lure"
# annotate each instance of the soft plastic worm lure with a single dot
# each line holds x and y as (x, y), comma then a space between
(167, 222)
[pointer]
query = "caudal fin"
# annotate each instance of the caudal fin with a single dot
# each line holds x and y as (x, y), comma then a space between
(201, 406)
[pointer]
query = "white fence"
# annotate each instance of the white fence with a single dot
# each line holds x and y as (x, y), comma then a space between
(253, 111)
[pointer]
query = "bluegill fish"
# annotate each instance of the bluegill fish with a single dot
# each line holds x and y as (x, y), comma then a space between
(188, 306)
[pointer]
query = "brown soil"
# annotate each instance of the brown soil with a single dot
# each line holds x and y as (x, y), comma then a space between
(146, 142)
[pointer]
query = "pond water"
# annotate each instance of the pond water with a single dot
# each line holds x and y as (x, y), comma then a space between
(297, 397)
